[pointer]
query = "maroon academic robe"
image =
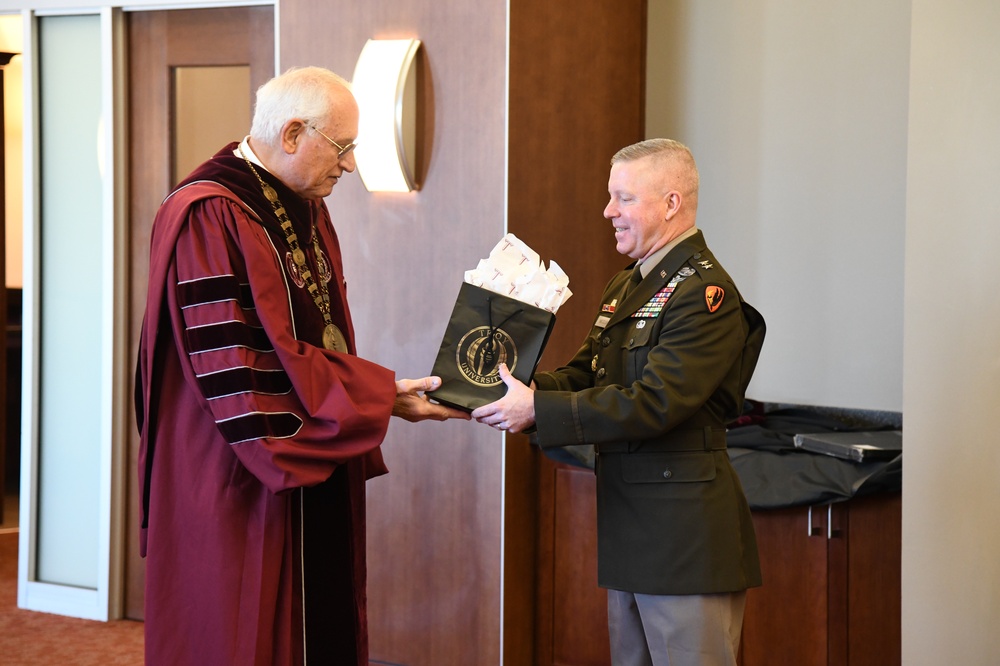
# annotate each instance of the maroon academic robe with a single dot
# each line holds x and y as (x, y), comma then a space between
(255, 441)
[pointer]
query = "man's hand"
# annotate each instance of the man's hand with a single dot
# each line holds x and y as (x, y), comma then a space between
(413, 406)
(515, 411)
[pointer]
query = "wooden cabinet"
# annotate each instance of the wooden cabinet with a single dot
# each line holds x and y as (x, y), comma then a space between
(572, 611)
(831, 591)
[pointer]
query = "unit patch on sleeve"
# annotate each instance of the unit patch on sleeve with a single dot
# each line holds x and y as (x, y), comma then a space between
(713, 297)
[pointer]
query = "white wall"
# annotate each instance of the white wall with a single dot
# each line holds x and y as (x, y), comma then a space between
(850, 164)
(796, 114)
(951, 505)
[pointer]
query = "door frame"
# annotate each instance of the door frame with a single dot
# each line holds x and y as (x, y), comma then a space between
(217, 36)
(105, 602)
(102, 602)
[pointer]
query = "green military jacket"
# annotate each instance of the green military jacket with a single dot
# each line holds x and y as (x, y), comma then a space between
(658, 377)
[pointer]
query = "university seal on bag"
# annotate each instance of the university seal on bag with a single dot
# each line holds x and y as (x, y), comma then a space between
(504, 313)
(480, 353)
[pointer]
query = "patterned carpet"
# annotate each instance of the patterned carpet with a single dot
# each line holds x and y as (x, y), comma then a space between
(38, 639)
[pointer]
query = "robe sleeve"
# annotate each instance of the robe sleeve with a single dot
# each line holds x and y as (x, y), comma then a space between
(291, 411)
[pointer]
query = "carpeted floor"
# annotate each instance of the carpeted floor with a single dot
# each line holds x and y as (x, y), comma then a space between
(38, 639)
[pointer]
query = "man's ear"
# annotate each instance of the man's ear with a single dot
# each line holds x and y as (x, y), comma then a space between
(671, 204)
(291, 134)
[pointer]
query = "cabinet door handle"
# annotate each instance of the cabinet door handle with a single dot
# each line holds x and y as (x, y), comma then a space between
(812, 529)
(830, 532)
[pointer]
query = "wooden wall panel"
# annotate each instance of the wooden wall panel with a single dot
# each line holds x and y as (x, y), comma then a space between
(575, 96)
(577, 77)
(434, 531)
(577, 80)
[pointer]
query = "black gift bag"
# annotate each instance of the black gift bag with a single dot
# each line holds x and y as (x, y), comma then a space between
(485, 330)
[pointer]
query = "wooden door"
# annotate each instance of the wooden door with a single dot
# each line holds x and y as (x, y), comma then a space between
(874, 592)
(786, 620)
(832, 591)
(161, 44)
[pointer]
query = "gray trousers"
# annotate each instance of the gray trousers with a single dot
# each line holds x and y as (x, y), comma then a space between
(682, 630)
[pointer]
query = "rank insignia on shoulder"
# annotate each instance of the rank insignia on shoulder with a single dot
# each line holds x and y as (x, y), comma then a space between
(706, 264)
(713, 297)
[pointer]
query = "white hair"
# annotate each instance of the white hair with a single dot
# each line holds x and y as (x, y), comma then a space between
(301, 92)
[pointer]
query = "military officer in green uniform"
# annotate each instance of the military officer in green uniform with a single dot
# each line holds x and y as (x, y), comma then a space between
(664, 368)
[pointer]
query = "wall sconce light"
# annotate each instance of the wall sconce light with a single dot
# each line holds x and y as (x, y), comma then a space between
(385, 87)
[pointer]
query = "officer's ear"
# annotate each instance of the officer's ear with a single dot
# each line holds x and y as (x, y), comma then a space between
(671, 204)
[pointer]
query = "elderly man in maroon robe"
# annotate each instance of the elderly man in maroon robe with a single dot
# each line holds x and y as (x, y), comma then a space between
(259, 423)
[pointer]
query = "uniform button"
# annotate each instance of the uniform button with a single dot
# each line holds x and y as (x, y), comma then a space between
(601, 373)
(667, 474)
(606, 341)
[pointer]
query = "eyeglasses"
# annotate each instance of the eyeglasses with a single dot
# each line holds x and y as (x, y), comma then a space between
(341, 150)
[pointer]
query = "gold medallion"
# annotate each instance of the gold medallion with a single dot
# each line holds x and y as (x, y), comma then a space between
(333, 339)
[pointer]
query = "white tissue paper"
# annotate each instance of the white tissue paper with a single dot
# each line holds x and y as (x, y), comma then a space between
(514, 269)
